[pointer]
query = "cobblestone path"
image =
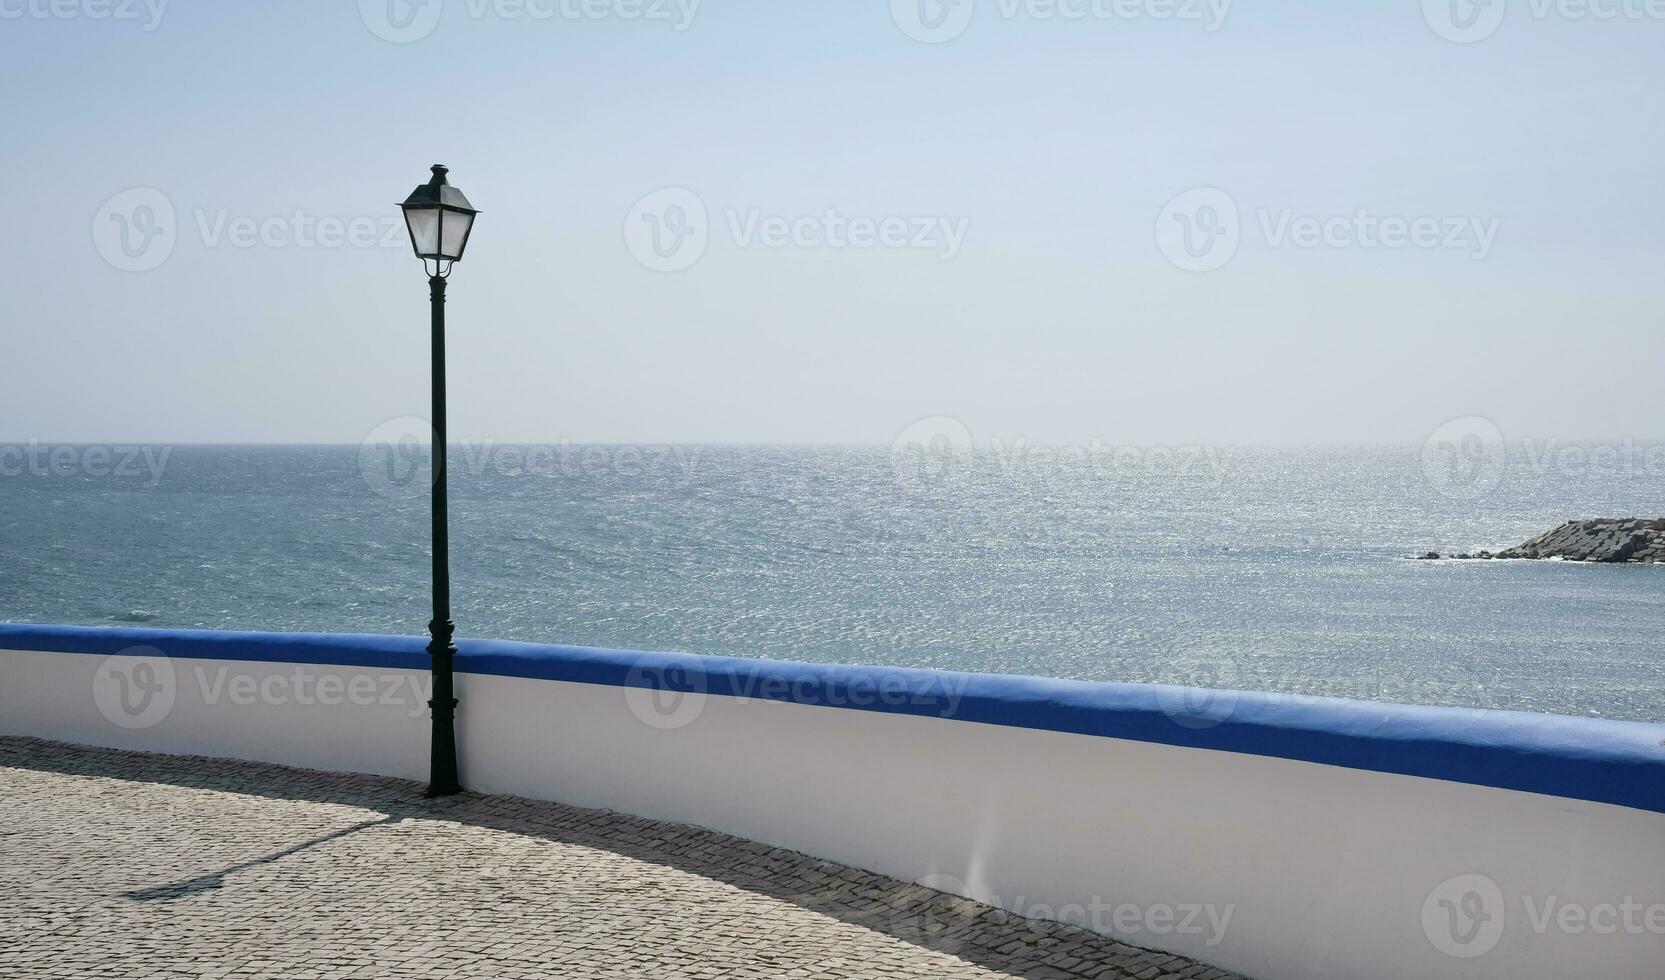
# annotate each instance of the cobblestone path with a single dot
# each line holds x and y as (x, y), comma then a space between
(129, 865)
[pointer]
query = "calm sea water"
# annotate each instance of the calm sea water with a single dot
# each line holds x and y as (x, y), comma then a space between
(1273, 569)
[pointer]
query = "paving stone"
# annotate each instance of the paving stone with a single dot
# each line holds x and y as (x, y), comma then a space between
(132, 865)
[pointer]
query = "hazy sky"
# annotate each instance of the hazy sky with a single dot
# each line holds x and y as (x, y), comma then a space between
(1038, 284)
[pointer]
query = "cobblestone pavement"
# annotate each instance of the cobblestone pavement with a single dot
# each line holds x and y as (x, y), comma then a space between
(120, 864)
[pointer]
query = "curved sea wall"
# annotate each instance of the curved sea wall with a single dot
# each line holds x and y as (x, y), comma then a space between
(1282, 838)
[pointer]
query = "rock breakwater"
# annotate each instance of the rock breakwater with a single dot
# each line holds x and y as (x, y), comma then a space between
(1609, 540)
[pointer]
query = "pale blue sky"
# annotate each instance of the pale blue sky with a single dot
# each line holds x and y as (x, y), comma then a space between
(1056, 142)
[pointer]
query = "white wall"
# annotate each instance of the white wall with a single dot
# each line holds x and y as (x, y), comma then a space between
(1326, 873)
(269, 712)
(1327, 870)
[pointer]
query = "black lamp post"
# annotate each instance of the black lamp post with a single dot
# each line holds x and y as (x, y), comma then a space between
(439, 219)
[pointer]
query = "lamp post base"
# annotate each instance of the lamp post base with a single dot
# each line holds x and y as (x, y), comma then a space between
(443, 763)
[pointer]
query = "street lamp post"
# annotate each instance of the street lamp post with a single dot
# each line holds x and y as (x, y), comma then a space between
(439, 219)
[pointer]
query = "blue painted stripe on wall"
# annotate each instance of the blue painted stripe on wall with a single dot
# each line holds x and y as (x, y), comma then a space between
(345, 649)
(1578, 758)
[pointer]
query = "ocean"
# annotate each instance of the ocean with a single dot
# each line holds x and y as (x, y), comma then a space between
(1279, 569)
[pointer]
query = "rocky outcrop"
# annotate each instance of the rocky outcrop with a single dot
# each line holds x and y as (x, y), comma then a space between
(1609, 540)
